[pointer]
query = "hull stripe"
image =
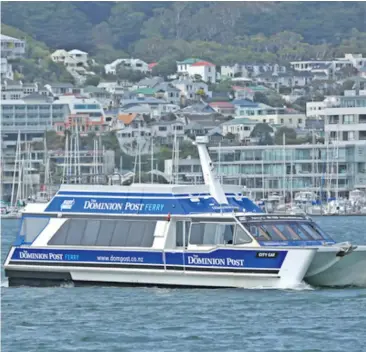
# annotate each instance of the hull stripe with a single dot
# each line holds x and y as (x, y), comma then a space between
(148, 267)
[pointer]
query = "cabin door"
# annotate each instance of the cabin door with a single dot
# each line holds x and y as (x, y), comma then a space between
(181, 235)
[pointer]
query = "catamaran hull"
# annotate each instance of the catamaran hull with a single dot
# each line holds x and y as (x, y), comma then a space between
(332, 268)
(289, 275)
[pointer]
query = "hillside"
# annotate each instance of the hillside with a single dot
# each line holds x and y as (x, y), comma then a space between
(37, 66)
(219, 31)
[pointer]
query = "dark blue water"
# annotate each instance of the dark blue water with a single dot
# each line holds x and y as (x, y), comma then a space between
(148, 319)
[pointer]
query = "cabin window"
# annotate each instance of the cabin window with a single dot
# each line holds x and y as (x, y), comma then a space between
(211, 234)
(105, 233)
(241, 237)
(311, 231)
(181, 233)
(31, 227)
(285, 231)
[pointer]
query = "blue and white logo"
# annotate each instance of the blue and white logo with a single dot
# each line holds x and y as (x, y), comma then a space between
(67, 204)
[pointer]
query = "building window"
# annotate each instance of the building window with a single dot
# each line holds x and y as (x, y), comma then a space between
(300, 120)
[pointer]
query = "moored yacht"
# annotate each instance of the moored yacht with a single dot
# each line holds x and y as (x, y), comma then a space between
(172, 235)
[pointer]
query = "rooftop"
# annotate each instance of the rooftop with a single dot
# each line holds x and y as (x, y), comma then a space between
(145, 91)
(245, 102)
(153, 64)
(203, 63)
(77, 51)
(6, 37)
(127, 118)
(189, 61)
(241, 121)
(221, 104)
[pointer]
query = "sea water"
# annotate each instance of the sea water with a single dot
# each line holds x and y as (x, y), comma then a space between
(149, 319)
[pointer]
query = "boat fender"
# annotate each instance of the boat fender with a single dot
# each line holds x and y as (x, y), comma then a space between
(347, 249)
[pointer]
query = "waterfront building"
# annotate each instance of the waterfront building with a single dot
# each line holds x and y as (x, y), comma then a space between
(334, 168)
(345, 119)
(329, 170)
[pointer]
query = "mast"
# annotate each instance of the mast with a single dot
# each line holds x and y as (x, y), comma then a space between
(337, 163)
(17, 157)
(263, 179)
(208, 168)
(152, 160)
(66, 158)
(284, 165)
(219, 168)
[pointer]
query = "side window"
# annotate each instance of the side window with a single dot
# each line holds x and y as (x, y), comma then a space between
(75, 232)
(118, 233)
(211, 234)
(241, 236)
(196, 235)
(287, 231)
(300, 232)
(311, 231)
(32, 227)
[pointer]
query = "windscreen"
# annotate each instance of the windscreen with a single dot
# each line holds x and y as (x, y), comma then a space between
(286, 231)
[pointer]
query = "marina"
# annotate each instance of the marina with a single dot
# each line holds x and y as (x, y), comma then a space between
(175, 235)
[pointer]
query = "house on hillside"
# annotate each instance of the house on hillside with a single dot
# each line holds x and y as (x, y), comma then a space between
(168, 92)
(195, 67)
(241, 128)
(191, 90)
(149, 82)
(6, 69)
(129, 64)
(73, 59)
(223, 107)
(12, 48)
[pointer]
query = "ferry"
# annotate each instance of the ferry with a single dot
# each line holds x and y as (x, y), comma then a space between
(177, 236)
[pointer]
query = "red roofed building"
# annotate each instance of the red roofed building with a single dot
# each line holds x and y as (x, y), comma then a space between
(83, 123)
(198, 67)
(152, 65)
(223, 107)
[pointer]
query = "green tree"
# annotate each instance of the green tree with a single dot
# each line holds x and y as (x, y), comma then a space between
(129, 75)
(289, 133)
(262, 132)
(92, 81)
(165, 67)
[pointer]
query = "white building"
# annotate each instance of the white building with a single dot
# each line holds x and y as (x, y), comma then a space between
(241, 128)
(196, 67)
(345, 119)
(15, 90)
(59, 55)
(6, 69)
(314, 109)
(190, 88)
(267, 114)
(129, 64)
(73, 58)
(83, 106)
(12, 48)
(34, 113)
(349, 60)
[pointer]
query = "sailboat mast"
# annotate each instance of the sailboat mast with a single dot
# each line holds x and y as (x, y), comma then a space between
(284, 164)
(152, 160)
(17, 156)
